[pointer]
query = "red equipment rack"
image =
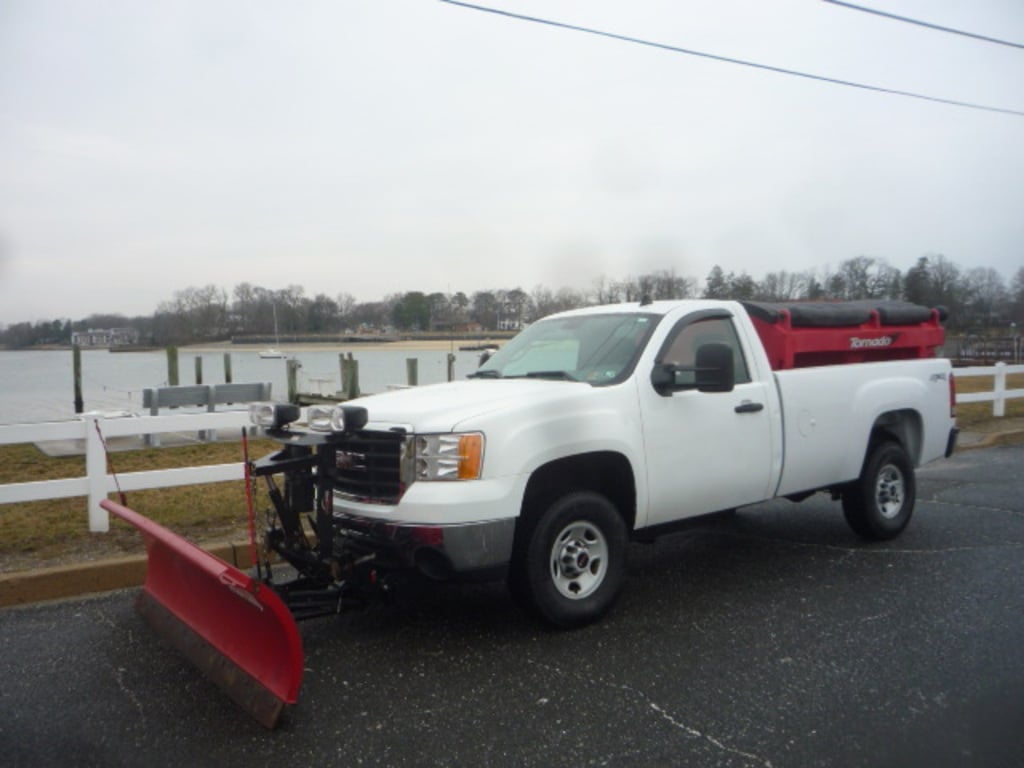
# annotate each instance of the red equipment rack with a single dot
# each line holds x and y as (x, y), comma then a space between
(806, 334)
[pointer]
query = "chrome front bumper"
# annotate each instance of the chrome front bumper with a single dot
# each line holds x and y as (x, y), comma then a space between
(438, 551)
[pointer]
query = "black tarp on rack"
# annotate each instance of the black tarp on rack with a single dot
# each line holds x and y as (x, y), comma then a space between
(831, 314)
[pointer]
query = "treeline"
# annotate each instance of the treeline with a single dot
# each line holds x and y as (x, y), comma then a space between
(978, 300)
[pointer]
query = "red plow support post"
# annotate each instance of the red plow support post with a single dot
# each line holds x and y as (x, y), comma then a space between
(234, 629)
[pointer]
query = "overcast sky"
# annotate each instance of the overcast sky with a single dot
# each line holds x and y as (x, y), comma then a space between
(380, 146)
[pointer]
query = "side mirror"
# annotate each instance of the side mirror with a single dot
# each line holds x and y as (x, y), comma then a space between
(715, 368)
(712, 373)
(663, 378)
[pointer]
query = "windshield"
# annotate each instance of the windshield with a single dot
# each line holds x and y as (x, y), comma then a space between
(596, 349)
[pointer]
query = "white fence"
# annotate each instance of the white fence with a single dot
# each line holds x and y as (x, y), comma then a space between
(1000, 393)
(97, 483)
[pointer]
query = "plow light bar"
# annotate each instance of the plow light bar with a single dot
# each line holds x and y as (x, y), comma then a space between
(336, 418)
(273, 415)
(318, 417)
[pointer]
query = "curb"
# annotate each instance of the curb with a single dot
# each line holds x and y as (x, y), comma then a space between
(992, 439)
(79, 579)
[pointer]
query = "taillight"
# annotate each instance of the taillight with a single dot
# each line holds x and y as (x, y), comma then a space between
(952, 396)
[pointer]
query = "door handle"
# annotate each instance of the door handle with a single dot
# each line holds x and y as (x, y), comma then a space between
(749, 407)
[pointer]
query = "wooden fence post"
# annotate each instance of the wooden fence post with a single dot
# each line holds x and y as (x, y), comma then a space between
(96, 471)
(999, 390)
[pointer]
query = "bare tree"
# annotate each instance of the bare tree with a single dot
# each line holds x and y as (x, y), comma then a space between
(987, 300)
(917, 287)
(346, 305)
(547, 302)
(666, 284)
(783, 286)
(1017, 298)
(945, 283)
(864, 277)
(194, 313)
(606, 292)
(485, 309)
(322, 314)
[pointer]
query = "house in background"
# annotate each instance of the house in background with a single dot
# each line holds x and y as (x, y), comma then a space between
(105, 337)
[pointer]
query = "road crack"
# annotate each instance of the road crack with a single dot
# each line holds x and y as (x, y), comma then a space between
(118, 672)
(129, 694)
(689, 730)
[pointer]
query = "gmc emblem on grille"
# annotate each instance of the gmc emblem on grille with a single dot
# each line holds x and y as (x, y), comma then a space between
(350, 460)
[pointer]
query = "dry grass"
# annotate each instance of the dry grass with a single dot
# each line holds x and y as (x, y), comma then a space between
(41, 533)
(969, 415)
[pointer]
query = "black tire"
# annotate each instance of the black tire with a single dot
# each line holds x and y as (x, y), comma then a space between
(878, 505)
(570, 564)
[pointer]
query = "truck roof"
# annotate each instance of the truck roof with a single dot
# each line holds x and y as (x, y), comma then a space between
(662, 307)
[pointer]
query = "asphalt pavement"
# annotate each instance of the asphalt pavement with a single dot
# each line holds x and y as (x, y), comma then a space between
(773, 638)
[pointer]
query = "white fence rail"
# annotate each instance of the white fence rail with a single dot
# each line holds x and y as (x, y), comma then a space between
(97, 483)
(999, 394)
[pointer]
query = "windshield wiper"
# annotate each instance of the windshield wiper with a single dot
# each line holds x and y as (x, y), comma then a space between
(493, 373)
(561, 375)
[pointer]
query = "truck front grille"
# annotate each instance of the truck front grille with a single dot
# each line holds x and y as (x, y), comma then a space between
(368, 467)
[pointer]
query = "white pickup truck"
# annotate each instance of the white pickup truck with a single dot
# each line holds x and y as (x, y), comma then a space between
(589, 428)
(601, 424)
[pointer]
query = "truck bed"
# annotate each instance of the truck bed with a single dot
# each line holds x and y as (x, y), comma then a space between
(828, 409)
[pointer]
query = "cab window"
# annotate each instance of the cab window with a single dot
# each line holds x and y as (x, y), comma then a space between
(681, 348)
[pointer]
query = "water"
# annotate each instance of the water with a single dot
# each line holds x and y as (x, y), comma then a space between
(38, 385)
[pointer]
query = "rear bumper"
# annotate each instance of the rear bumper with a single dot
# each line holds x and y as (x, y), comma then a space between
(438, 551)
(954, 433)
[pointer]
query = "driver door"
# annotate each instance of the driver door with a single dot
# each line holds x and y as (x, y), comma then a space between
(705, 451)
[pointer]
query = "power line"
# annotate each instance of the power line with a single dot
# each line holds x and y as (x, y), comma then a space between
(920, 23)
(729, 60)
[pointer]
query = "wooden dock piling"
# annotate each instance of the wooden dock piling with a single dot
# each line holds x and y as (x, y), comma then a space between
(76, 358)
(172, 366)
(349, 376)
(293, 380)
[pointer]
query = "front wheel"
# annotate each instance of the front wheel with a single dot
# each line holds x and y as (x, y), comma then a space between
(572, 564)
(878, 504)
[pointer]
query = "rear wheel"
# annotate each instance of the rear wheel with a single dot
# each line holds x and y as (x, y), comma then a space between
(878, 505)
(570, 566)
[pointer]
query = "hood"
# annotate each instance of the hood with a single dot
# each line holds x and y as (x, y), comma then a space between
(446, 407)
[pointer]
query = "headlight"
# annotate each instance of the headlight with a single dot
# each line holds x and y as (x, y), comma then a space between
(273, 415)
(449, 457)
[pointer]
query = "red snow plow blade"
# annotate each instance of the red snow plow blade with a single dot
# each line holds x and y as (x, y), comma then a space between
(236, 630)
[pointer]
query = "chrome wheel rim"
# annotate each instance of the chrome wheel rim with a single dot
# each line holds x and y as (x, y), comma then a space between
(890, 491)
(579, 560)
